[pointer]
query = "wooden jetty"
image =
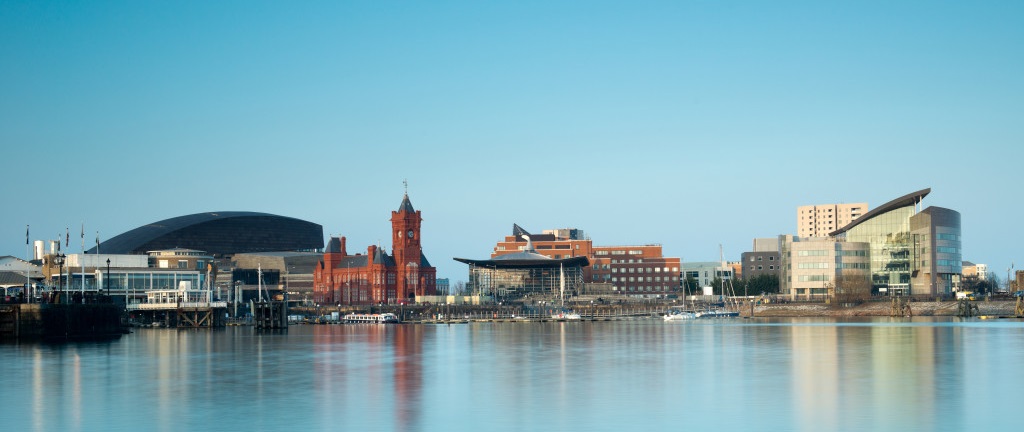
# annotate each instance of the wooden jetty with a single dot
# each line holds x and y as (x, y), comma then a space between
(181, 308)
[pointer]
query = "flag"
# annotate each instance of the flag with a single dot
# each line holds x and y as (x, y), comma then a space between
(67, 236)
(97, 242)
(26, 235)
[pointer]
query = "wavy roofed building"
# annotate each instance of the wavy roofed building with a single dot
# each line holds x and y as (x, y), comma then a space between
(219, 234)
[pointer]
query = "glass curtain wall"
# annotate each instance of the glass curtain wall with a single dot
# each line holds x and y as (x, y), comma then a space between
(892, 249)
(509, 283)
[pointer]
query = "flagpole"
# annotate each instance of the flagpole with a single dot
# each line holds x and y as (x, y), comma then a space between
(82, 260)
(28, 279)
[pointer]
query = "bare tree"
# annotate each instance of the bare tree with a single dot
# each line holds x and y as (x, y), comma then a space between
(852, 288)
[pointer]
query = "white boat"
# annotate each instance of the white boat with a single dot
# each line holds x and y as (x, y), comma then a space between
(678, 315)
(717, 313)
(382, 318)
(566, 315)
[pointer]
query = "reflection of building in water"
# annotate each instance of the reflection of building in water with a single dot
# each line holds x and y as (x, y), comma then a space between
(816, 377)
(875, 376)
(378, 366)
(408, 375)
(528, 272)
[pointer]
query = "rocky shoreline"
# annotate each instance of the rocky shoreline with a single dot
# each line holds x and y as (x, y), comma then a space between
(1002, 308)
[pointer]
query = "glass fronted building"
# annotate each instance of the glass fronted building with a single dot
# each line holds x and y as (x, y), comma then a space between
(911, 252)
(514, 276)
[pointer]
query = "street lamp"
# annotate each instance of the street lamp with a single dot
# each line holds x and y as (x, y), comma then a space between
(106, 279)
(59, 259)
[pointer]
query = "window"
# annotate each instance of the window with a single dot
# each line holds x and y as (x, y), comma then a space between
(182, 264)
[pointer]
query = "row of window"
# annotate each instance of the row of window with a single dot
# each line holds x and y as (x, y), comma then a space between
(643, 270)
(813, 253)
(643, 288)
(759, 258)
(814, 278)
(813, 265)
(630, 261)
(641, 279)
(940, 236)
(771, 267)
(859, 253)
(945, 249)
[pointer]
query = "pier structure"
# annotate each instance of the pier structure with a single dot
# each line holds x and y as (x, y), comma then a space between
(183, 308)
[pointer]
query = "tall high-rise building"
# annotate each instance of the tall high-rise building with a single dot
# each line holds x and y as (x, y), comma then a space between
(820, 220)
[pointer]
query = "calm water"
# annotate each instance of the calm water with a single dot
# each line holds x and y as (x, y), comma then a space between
(787, 374)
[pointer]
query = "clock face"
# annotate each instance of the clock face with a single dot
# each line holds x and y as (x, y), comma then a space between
(410, 233)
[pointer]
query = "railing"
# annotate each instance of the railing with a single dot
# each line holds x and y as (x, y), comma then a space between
(162, 306)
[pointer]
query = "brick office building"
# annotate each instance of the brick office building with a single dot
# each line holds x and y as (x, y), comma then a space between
(628, 270)
(377, 277)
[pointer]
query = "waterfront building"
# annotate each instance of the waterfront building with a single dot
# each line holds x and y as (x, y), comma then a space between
(820, 220)
(219, 234)
(180, 258)
(292, 271)
(912, 252)
(971, 269)
(635, 270)
(819, 267)
(443, 287)
(525, 273)
(377, 277)
(764, 259)
(704, 273)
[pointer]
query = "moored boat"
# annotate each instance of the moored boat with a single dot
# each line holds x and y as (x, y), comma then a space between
(717, 313)
(566, 315)
(381, 318)
(678, 315)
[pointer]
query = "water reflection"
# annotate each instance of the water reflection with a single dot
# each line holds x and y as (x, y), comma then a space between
(797, 374)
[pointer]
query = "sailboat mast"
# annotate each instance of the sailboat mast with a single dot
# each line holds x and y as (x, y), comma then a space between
(561, 284)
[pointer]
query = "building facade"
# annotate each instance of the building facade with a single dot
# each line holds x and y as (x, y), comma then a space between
(938, 263)
(820, 220)
(377, 277)
(704, 273)
(763, 260)
(526, 273)
(912, 252)
(819, 267)
(640, 270)
(756, 264)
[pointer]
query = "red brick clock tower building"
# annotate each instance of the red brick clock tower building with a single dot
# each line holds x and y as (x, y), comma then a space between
(377, 277)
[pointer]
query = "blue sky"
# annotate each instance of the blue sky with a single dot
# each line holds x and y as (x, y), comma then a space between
(685, 123)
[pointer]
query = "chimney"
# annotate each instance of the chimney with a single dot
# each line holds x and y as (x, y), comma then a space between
(343, 251)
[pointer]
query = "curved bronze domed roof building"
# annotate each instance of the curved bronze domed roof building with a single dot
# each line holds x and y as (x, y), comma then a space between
(219, 234)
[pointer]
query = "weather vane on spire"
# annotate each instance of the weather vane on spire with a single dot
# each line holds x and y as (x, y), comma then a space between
(405, 182)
